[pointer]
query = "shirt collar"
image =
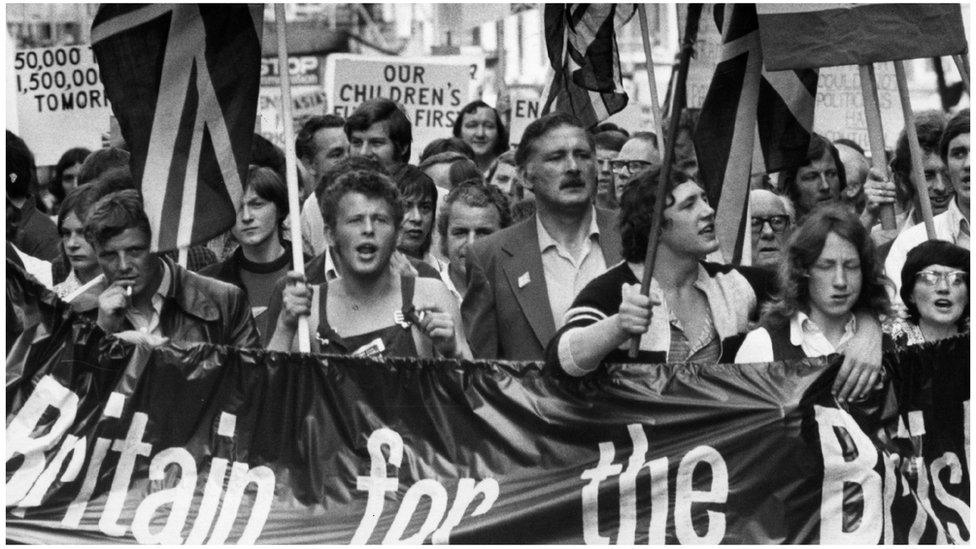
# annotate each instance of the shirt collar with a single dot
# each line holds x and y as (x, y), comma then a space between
(955, 217)
(801, 324)
(165, 287)
(546, 240)
(331, 273)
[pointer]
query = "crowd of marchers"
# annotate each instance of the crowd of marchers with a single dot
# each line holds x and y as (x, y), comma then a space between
(535, 253)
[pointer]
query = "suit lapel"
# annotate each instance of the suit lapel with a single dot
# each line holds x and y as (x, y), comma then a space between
(523, 269)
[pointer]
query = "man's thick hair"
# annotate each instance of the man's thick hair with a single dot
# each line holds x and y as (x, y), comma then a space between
(268, 185)
(958, 125)
(539, 128)
(462, 169)
(112, 214)
(369, 183)
(70, 157)
(102, 161)
(637, 208)
(444, 145)
(818, 146)
(398, 126)
(802, 251)
(501, 140)
(926, 254)
(929, 125)
(609, 140)
(413, 183)
(305, 141)
(475, 195)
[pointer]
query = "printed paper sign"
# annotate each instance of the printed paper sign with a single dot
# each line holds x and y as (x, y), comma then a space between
(61, 102)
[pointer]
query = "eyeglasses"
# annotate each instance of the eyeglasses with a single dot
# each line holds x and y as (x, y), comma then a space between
(779, 223)
(952, 278)
(633, 166)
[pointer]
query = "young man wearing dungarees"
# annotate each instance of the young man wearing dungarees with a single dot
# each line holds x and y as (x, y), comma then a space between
(417, 317)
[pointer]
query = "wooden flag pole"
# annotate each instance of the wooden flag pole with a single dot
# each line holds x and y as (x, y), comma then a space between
(291, 168)
(651, 81)
(962, 65)
(918, 172)
(872, 113)
(664, 179)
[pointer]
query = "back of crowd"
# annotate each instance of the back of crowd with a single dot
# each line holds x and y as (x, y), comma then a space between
(528, 254)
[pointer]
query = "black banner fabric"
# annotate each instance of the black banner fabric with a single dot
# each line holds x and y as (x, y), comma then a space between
(110, 443)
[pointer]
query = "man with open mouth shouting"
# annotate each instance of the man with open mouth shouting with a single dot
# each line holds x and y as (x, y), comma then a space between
(372, 310)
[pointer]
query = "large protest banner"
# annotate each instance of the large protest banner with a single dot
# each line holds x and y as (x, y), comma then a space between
(108, 443)
(431, 89)
(59, 87)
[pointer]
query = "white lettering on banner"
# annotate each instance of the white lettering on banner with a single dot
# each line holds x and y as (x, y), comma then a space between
(849, 458)
(685, 494)
(179, 498)
(129, 448)
(48, 394)
(32, 479)
(604, 469)
(951, 461)
(658, 470)
(59, 87)
(378, 483)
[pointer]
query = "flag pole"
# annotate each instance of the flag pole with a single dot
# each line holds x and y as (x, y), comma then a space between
(918, 172)
(651, 81)
(291, 168)
(872, 114)
(962, 65)
(663, 186)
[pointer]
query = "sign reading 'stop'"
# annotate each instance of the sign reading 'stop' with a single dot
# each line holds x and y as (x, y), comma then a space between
(431, 89)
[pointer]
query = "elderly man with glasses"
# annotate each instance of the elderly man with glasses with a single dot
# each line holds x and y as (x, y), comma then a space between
(771, 223)
(638, 153)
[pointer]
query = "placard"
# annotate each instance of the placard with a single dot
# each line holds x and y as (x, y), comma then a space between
(431, 89)
(61, 102)
(840, 105)
(306, 101)
(304, 70)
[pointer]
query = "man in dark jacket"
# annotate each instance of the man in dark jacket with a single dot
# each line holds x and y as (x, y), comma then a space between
(150, 299)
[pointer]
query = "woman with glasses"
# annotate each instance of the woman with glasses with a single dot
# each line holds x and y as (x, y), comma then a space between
(829, 274)
(935, 290)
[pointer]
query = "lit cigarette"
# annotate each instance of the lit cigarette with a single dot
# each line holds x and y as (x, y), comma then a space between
(128, 291)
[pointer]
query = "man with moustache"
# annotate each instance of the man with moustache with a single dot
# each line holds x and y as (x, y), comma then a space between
(150, 299)
(771, 216)
(952, 225)
(521, 280)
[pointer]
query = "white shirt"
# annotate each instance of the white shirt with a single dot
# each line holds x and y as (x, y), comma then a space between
(804, 332)
(565, 275)
(150, 324)
(950, 226)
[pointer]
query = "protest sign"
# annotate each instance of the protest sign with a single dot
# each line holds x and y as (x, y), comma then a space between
(525, 109)
(305, 70)
(431, 89)
(111, 443)
(306, 101)
(61, 102)
(840, 105)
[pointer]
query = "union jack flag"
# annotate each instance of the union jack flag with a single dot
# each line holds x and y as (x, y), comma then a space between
(753, 121)
(581, 41)
(183, 82)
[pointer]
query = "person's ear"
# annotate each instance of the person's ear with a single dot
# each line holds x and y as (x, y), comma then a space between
(523, 178)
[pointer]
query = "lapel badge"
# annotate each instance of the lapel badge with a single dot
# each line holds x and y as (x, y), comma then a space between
(524, 280)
